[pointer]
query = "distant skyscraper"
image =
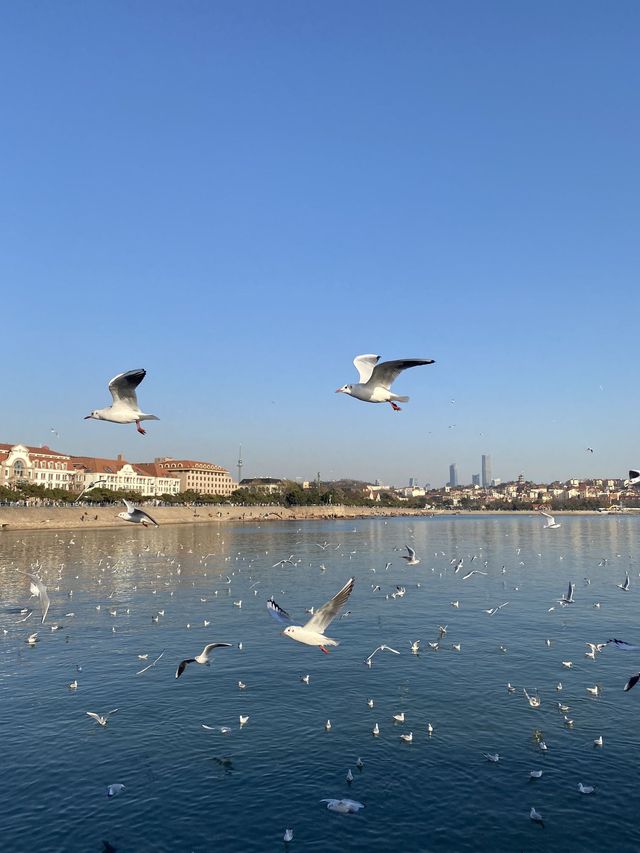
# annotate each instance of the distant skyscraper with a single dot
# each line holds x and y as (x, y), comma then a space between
(475, 479)
(486, 471)
(413, 482)
(453, 474)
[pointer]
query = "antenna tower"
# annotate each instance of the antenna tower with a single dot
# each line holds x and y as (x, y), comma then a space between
(240, 464)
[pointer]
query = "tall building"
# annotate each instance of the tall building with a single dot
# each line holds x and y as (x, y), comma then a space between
(203, 477)
(475, 479)
(453, 474)
(486, 471)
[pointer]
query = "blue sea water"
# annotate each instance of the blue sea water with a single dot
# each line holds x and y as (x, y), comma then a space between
(190, 789)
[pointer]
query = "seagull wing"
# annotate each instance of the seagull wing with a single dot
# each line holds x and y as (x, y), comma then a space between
(388, 649)
(210, 646)
(129, 506)
(146, 515)
(625, 647)
(278, 613)
(384, 374)
(324, 615)
(94, 716)
(364, 365)
(183, 665)
(632, 681)
(546, 515)
(123, 387)
(412, 553)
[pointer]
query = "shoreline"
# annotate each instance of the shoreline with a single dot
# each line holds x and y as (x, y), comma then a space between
(71, 517)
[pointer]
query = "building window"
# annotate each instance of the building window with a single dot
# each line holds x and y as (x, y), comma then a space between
(18, 468)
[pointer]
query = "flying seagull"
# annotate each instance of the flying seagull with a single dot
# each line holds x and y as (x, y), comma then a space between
(312, 632)
(411, 558)
(124, 409)
(634, 477)
(203, 657)
(38, 589)
(625, 585)
(552, 524)
(136, 515)
(376, 379)
(382, 648)
(568, 598)
(101, 719)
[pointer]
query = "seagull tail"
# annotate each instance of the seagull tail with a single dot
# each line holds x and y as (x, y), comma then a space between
(149, 418)
(401, 399)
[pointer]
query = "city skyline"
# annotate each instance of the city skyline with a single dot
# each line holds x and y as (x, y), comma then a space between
(238, 236)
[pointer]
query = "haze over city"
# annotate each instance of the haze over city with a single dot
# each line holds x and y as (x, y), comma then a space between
(241, 198)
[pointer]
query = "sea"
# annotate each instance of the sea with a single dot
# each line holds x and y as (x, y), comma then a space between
(118, 594)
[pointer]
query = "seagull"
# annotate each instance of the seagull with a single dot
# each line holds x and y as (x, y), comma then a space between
(585, 789)
(598, 741)
(38, 589)
(399, 718)
(32, 639)
(344, 806)
(567, 663)
(535, 774)
(349, 777)
(536, 816)
(376, 379)
(288, 835)
(138, 516)
(492, 756)
(568, 598)
(312, 632)
(552, 524)
(411, 558)
(382, 648)
(473, 572)
(144, 657)
(634, 476)
(534, 701)
(407, 738)
(203, 657)
(595, 691)
(101, 719)
(375, 730)
(623, 586)
(124, 409)
(415, 647)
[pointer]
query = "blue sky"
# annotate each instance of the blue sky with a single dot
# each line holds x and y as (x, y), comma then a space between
(242, 196)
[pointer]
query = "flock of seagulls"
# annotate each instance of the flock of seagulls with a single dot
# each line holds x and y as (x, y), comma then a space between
(375, 384)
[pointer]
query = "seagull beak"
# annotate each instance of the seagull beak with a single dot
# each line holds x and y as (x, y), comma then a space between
(338, 390)
(86, 417)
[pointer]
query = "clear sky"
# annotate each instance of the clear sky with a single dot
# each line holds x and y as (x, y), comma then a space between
(242, 196)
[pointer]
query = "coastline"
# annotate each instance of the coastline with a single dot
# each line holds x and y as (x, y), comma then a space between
(21, 518)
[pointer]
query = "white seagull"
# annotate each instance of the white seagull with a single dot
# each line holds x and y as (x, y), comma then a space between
(203, 657)
(38, 589)
(552, 524)
(382, 648)
(411, 558)
(376, 379)
(312, 632)
(101, 719)
(136, 515)
(624, 586)
(536, 816)
(124, 409)
(568, 598)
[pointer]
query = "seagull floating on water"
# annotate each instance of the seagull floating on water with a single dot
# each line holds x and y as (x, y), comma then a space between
(203, 657)
(376, 379)
(124, 409)
(312, 632)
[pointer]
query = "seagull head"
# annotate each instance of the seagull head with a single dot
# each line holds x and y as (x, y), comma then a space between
(346, 389)
(95, 415)
(124, 515)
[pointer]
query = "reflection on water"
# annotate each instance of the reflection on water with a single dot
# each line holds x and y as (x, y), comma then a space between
(189, 788)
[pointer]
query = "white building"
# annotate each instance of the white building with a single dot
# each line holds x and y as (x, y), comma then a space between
(39, 466)
(120, 475)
